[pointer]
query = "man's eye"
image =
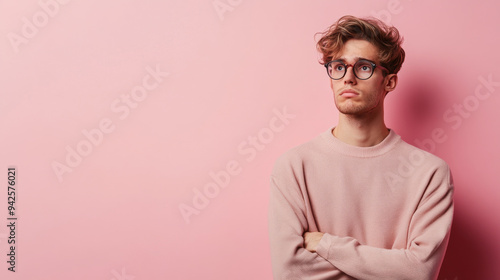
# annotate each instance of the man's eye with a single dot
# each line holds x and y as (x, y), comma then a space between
(339, 67)
(364, 68)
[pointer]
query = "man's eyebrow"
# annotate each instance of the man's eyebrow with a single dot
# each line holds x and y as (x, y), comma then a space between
(357, 58)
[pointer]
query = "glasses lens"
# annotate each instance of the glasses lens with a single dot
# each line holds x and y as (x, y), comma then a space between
(336, 70)
(364, 69)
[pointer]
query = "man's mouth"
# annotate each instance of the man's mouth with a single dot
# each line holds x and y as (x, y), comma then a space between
(348, 93)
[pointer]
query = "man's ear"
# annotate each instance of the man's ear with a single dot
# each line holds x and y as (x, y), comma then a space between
(391, 81)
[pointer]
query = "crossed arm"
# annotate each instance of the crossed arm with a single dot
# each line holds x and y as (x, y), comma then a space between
(316, 255)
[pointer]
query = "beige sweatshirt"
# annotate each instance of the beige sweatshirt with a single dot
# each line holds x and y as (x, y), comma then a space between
(386, 210)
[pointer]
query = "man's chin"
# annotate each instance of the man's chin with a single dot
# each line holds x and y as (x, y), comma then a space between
(351, 110)
(352, 113)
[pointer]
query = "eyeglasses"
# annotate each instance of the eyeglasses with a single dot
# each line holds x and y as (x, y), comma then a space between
(363, 69)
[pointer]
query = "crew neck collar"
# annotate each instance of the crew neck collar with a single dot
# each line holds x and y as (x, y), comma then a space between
(372, 151)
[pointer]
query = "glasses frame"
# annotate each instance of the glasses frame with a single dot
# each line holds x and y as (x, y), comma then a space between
(346, 66)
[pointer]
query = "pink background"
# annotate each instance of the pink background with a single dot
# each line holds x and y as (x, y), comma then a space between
(65, 65)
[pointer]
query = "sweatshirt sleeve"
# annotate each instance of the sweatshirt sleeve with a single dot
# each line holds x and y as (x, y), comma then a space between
(426, 245)
(288, 221)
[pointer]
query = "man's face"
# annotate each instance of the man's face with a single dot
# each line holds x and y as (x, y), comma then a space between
(354, 96)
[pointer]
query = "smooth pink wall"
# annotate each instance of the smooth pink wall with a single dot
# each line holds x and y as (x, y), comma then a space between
(117, 114)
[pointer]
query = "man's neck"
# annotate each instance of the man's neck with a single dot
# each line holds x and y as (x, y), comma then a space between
(360, 131)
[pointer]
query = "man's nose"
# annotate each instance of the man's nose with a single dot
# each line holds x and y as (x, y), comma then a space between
(349, 77)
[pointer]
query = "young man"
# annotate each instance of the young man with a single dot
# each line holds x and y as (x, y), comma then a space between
(357, 202)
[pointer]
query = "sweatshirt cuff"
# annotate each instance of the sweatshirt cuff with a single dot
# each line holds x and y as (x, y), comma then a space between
(324, 246)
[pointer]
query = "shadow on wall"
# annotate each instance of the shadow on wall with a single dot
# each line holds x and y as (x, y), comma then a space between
(417, 105)
(467, 256)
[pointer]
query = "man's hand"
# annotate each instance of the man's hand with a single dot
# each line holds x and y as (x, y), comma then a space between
(311, 240)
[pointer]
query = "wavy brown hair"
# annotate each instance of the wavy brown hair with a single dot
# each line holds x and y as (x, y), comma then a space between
(385, 38)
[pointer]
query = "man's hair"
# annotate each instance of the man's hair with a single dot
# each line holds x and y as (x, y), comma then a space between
(385, 38)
